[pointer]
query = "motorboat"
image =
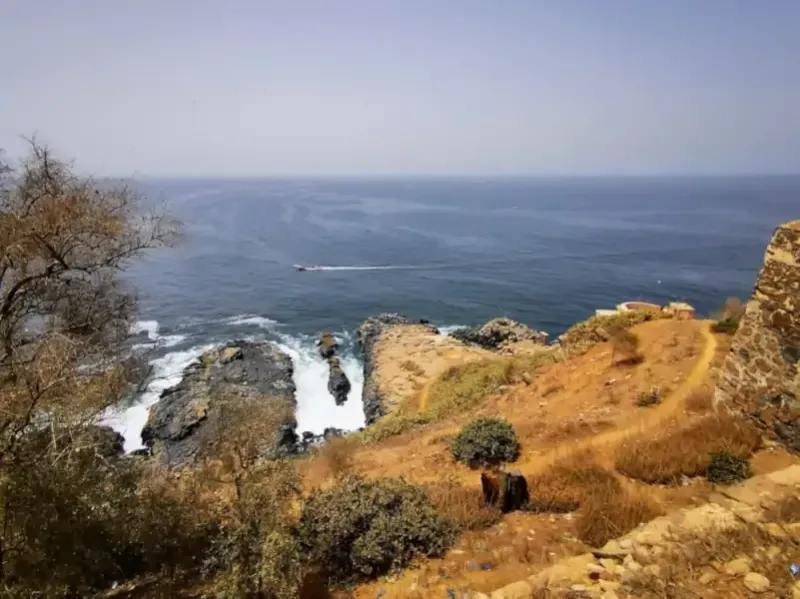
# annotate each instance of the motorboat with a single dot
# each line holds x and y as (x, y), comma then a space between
(303, 268)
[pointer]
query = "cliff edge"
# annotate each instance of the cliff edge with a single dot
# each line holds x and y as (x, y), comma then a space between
(761, 373)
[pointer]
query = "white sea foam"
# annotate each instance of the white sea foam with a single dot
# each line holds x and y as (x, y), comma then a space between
(251, 320)
(167, 372)
(448, 329)
(316, 409)
(145, 326)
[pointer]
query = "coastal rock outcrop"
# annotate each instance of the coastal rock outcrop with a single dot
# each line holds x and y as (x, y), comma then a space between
(499, 333)
(761, 373)
(185, 423)
(338, 383)
(367, 336)
(400, 357)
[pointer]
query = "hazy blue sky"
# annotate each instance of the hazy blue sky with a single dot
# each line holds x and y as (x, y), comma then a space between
(260, 87)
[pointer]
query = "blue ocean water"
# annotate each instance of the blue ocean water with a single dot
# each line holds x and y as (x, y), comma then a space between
(547, 252)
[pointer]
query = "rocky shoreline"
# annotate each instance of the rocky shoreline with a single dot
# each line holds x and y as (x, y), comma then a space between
(182, 426)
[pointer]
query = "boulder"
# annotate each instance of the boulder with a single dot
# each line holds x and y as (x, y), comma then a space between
(367, 336)
(499, 332)
(105, 441)
(338, 383)
(507, 490)
(327, 346)
(184, 424)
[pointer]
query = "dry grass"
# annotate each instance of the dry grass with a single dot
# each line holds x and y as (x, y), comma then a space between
(463, 506)
(786, 510)
(684, 448)
(567, 483)
(700, 400)
(610, 511)
(336, 455)
(624, 347)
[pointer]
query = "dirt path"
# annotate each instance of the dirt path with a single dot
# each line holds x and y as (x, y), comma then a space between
(642, 420)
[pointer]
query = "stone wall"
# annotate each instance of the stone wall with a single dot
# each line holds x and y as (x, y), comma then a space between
(761, 374)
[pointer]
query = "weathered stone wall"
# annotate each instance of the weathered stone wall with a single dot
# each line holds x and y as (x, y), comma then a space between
(761, 374)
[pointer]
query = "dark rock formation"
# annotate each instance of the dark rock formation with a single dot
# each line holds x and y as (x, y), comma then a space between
(106, 442)
(367, 335)
(498, 332)
(327, 346)
(507, 490)
(309, 440)
(761, 374)
(184, 424)
(338, 383)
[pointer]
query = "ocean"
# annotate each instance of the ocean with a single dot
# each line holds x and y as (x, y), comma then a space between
(455, 251)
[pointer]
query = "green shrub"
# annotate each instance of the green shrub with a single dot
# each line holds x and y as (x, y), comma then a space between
(361, 529)
(649, 398)
(726, 468)
(486, 442)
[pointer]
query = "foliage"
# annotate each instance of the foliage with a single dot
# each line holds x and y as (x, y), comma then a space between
(726, 468)
(73, 519)
(730, 316)
(624, 346)
(684, 448)
(564, 486)
(361, 529)
(486, 442)
(649, 398)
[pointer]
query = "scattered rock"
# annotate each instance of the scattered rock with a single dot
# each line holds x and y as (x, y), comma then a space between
(756, 583)
(613, 549)
(105, 441)
(183, 426)
(738, 567)
(707, 578)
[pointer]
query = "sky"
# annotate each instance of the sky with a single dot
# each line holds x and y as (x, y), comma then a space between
(233, 88)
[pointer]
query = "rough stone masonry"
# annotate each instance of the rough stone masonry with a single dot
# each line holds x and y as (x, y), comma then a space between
(761, 374)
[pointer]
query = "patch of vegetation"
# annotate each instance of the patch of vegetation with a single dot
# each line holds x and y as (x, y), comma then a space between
(361, 529)
(700, 400)
(730, 316)
(460, 388)
(624, 347)
(684, 448)
(649, 398)
(597, 329)
(486, 442)
(337, 456)
(726, 469)
(463, 506)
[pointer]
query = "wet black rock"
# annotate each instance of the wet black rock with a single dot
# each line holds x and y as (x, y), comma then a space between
(183, 425)
(338, 383)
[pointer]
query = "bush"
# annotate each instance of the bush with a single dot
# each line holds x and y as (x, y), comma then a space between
(685, 448)
(649, 398)
(624, 347)
(486, 442)
(583, 335)
(726, 468)
(361, 529)
(566, 484)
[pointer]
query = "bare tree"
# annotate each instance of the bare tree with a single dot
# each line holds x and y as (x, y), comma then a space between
(64, 310)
